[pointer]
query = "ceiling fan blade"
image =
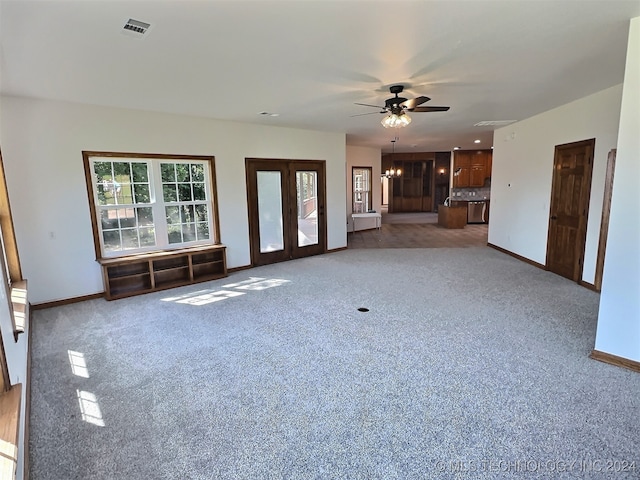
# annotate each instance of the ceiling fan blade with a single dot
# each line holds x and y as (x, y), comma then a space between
(370, 113)
(430, 109)
(414, 102)
(367, 105)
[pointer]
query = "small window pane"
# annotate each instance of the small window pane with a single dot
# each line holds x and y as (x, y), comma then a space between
(187, 213)
(102, 169)
(199, 192)
(127, 217)
(111, 239)
(201, 213)
(168, 172)
(184, 192)
(197, 173)
(147, 237)
(145, 216)
(122, 170)
(169, 193)
(140, 174)
(142, 193)
(102, 194)
(109, 219)
(174, 233)
(173, 214)
(203, 231)
(123, 192)
(189, 232)
(129, 238)
(109, 192)
(182, 172)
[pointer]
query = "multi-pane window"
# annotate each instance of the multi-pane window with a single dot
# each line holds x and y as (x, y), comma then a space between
(144, 203)
(361, 189)
(124, 202)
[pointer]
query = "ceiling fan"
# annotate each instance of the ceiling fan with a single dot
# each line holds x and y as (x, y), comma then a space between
(397, 107)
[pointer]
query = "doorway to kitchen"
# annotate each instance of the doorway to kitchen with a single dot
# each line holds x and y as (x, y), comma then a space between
(286, 202)
(569, 208)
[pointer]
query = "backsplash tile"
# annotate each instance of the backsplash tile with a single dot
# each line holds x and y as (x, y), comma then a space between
(471, 194)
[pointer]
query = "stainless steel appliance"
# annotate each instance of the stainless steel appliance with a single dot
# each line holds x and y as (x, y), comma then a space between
(476, 212)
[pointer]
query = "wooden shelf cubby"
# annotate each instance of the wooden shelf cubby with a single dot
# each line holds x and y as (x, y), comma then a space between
(148, 272)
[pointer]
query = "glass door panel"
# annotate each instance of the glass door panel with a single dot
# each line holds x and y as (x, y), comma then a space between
(270, 219)
(307, 193)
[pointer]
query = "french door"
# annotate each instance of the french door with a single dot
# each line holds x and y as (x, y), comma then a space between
(286, 200)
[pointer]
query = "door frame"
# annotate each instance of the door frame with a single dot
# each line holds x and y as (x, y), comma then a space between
(578, 252)
(287, 169)
(604, 222)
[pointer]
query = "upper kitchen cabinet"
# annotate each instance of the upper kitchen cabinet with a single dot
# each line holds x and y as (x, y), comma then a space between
(471, 168)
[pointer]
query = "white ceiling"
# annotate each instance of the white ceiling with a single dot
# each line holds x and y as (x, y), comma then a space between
(310, 60)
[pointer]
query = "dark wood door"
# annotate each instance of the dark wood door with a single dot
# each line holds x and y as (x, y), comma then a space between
(569, 209)
(286, 203)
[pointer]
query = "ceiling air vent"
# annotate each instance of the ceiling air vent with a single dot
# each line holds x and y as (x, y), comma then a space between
(135, 28)
(494, 123)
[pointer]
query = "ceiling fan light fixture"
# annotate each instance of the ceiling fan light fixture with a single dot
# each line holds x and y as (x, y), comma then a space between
(396, 121)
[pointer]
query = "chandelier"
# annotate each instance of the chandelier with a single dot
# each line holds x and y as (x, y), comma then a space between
(394, 120)
(393, 172)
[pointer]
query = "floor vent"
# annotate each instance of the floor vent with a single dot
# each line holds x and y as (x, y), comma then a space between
(135, 28)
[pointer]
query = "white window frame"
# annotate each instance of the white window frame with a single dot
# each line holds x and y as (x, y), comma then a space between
(157, 203)
(360, 194)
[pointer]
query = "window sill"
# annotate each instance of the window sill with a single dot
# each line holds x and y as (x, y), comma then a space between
(20, 307)
(9, 425)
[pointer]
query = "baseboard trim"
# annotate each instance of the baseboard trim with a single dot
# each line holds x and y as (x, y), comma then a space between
(27, 405)
(515, 255)
(334, 250)
(588, 285)
(615, 360)
(237, 269)
(66, 301)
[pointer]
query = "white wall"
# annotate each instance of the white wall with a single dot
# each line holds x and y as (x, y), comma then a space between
(42, 143)
(364, 157)
(618, 330)
(523, 169)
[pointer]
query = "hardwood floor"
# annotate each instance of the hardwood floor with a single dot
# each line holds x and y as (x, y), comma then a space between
(397, 233)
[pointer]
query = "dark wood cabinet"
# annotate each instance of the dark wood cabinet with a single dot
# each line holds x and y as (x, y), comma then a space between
(477, 175)
(148, 272)
(413, 190)
(471, 168)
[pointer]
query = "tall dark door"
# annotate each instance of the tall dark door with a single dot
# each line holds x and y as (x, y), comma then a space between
(571, 187)
(286, 200)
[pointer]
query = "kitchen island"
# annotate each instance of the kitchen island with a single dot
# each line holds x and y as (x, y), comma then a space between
(453, 216)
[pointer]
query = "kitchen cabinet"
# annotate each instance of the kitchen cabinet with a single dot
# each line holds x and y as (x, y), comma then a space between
(471, 168)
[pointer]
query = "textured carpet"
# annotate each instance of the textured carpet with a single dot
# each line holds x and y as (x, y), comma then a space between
(468, 364)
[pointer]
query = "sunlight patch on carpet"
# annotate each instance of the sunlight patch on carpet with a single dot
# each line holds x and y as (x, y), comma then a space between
(90, 408)
(78, 364)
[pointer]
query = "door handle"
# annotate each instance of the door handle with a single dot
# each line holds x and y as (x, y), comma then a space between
(553, 217)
